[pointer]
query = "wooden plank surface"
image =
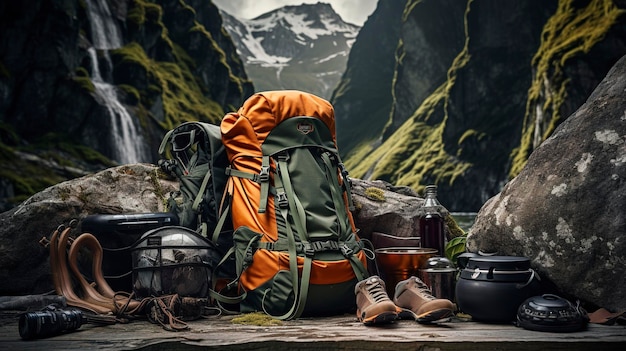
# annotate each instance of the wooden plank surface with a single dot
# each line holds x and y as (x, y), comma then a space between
(329, 333)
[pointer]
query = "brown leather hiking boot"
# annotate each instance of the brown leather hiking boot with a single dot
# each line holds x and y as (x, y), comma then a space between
(416, 301)
(373, 304)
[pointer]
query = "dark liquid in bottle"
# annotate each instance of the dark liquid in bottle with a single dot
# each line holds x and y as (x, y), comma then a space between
(432, 232)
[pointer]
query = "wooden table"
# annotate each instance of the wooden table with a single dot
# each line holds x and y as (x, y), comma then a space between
(328, 333)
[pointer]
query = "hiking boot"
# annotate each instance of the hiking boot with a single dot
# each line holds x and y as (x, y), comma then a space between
(373, 304)
(416, 301)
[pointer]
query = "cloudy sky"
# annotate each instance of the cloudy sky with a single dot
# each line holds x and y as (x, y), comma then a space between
(352, 11)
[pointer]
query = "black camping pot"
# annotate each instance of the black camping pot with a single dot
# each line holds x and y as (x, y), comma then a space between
(491, 288)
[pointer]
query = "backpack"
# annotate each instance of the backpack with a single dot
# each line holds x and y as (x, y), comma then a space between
(296, 246)
(193, 153)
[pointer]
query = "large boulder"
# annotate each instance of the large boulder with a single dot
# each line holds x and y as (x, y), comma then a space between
(565, 210)
(24, 263)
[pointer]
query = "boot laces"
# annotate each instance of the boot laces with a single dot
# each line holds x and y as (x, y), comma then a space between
(376, 290)
(423, 289)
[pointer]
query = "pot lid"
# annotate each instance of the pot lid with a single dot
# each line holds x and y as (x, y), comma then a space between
(514, 263)
(548, 301)
(438, 262)
(440, 270)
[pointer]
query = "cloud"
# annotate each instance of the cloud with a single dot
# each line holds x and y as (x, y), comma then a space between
(352, 11)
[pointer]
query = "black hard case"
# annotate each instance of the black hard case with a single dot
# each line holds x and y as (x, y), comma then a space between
(117, 233)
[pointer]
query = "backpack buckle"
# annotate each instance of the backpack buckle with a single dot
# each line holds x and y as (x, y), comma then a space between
(325, 245)
(281, 198)
(283, 156)
(346, 251)
(309, 250)
(345, 175)
(264, 174)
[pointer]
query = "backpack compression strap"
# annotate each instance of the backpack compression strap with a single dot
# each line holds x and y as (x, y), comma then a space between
(263, 178)
(359, 269)
(286, 200)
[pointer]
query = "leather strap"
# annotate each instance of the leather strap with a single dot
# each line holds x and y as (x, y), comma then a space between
(61, 276)
(101, 299)
(102, 291)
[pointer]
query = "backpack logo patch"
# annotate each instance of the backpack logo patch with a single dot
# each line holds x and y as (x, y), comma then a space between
(305, 128)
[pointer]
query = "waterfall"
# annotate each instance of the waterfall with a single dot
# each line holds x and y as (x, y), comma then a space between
(128, 143)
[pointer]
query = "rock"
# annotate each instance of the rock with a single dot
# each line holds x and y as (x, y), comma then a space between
(124, 189)
(390, 212)
(394, 210)
(565, 210)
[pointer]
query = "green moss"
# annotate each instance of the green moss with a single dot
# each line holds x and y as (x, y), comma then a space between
(133, 97)
(154, 179)
(453, 227)
(183, 95)
(183, 98)
(410, 5)
(256, 318)
(64, 193)
(82, 78)
(153, 12)
(375, 194)
(569, 33)
(217, 50)
(81, 72)
(59, 148)
(470, 134)
(142, 12)
(85, 83)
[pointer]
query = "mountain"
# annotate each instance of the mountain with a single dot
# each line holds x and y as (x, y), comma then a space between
(475, 86)
(301, 47)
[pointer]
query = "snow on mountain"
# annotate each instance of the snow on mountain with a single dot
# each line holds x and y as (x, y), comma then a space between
(294, 47)
(306, 21)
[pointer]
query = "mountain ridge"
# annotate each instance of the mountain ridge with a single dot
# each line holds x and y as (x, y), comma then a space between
(302, 47)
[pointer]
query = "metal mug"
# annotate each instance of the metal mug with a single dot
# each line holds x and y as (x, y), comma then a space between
(442, 281)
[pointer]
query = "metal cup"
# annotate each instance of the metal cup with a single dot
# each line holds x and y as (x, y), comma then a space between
(442, 281)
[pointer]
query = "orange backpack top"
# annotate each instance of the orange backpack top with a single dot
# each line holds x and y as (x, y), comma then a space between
(296, 247)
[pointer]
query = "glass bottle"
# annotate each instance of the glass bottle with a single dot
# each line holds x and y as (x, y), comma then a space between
(432, 224)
